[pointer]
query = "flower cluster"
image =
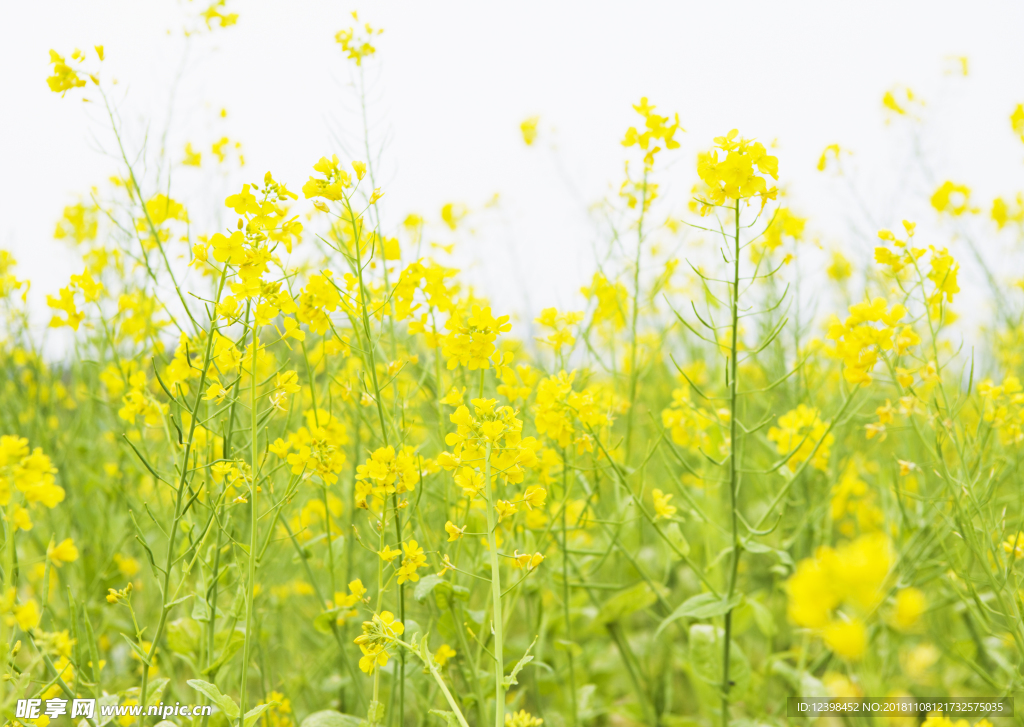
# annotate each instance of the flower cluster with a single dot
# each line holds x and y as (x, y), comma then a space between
(355, 45)
(471, 336)
(65, 77)
(871, 327)
(738, 175)
(952, 199)
(802, 432)
(943, 269)
(558, 324)
(378, 634)
(1003, 408)
(686, 422)
(611, 301)
(387, 472)
(854, 502)
(655, 129)
(139, 402)
(557, 404)
(852, 576)
(496, 426)
(85, 285)
(29, 472)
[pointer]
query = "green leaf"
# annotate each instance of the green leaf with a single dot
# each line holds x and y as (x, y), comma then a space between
(375, 712)
(227, 704)
(706, 643)
(510, 680)
(107, 700)
(763, 618)
(703, 605)
(587, 701)
(441, 588)
(449, 718)
(424, 587)
(176, 601)
(325, 619)
(183, 636)
(800, 682)
(234, 642)
(330, 718)
(201, 609)
(628, 602)
(139, 651)
(253, 714)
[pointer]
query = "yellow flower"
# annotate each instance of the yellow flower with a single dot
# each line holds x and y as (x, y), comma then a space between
(952, 199)
(801, 430)
(522, 718)
(662, 508)
(453, 397)
(354, 44)
(534, 496)
(910, 604)
(454, 532)
(27, 615)
(529, 129)
(1015, 544)
(738, 175)
(390, 625)
(443, 654)
(452, 213)
(64, 77)
(527, 561)
(471, 481)
(373, 656)
(65, 552)
(852, 573)
(847, 639)
(22, 520)
(414, 558)
(656, 129)
(505, 509)
(356, 588)
(388, 554)
(810, 595)
(192, 158)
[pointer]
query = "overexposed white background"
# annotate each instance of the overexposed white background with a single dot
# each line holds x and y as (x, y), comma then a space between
(452, 81)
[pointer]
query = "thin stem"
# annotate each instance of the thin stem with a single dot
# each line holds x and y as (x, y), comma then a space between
(733, 468)
(633, 322)
(565, 584)
(499, 664)
(254, 527)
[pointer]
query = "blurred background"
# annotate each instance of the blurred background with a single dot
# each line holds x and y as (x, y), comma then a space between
(452, 81)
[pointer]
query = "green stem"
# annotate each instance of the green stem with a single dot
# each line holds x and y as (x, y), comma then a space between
(254, 527)
(633, 378)
(733, 469)
(179, 498)
(565, 583)
(499, 663)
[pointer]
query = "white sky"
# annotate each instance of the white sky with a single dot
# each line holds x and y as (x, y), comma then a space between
(454, 79)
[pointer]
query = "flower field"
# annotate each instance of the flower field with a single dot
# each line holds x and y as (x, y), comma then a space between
(300, 469)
